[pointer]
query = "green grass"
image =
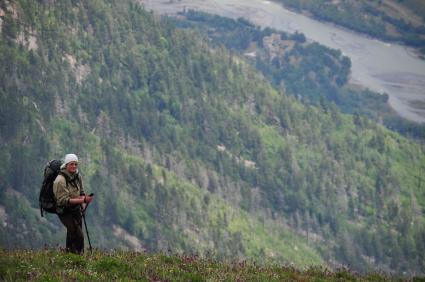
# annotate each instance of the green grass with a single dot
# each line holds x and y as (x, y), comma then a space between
(52, 265)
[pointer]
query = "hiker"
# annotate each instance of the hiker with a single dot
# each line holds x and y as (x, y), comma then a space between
(71, 200)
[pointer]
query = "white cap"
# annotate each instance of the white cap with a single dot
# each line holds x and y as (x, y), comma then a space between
(69, 158)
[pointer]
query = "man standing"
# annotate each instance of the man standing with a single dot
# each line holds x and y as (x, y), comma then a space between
(71, 200)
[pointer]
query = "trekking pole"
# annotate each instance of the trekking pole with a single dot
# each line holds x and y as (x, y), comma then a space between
(85, 225)
(87, 232)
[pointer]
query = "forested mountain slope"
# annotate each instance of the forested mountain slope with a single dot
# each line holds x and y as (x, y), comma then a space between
(188, 149)
(306, 70)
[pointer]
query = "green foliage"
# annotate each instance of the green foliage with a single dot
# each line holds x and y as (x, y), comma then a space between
(111, 264)
(69, 261)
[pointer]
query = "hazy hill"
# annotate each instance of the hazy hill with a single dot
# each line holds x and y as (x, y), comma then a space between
(189, 149)
(385, 19)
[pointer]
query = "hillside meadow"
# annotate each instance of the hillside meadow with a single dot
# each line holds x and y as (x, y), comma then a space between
(54, 265)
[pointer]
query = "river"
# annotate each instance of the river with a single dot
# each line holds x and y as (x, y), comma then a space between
(381, 67)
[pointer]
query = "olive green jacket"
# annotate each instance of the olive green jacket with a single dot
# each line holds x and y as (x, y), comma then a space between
(65, 189)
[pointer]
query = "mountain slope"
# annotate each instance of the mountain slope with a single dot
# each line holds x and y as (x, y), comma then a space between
(304, 69)
(188, 149)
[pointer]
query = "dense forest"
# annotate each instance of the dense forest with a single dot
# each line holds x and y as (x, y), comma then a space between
(401, 21)
(307, 70)
(190, 150)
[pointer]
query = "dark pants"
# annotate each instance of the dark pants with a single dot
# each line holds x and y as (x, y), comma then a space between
(74, 232)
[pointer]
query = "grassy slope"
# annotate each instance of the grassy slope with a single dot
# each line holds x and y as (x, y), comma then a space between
(50, 265)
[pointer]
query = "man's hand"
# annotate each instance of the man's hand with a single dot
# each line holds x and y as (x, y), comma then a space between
(88, 199)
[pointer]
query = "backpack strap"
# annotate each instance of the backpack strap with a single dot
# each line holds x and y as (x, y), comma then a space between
(67, 180)
(64, 176)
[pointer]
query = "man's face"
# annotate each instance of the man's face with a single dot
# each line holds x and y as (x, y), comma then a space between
(71, 167)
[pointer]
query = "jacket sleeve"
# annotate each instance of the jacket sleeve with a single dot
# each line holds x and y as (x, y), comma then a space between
(61, 191)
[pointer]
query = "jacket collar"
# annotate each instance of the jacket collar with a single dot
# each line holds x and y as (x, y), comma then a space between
(70, 176)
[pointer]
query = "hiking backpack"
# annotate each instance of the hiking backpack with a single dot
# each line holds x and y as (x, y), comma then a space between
(47, 198)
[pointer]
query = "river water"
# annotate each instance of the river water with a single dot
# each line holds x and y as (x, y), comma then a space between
(381, 67)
